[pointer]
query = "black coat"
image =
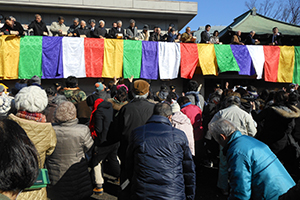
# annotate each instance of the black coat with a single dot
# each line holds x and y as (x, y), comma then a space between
(16, 27)
(103, 118)
(204, 37)
(90, 100)
(38, 28)
(114, 31)
(249, 40)
(134, 114)
(73, 28)
(82, 31)
(278, 122)
(277, 39)
(161, 162)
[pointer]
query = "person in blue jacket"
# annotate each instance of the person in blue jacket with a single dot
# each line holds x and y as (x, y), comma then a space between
(254, 170)
(159, 160)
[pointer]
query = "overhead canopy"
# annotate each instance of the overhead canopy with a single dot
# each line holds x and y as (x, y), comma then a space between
(252, 21)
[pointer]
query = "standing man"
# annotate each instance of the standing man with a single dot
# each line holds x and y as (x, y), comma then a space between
(251, 40)
(255, 172)
(159, 159)
(59, 28)
(131, 31)
(38, 26)
(205, 36)
(187, 37)
(275, 38)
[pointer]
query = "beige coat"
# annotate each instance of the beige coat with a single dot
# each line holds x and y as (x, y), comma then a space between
(44, 138)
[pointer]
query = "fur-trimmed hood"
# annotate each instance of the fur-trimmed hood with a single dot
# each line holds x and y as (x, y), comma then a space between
(286, 112)
(116, 105)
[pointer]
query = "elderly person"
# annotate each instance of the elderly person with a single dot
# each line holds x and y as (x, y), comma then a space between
(19, 160)
(52, 105)
(250, 40)
(59, 28)
(67, 166)
(83, 31)
(12, 27)
(187, 37)
(102, 29)
(38, 26)
(74, 27)
(236, 38)
(255, 172)
(117, 32)
(94, 33)
(156, 35)
(131, 31)
(144, 35)
(31, 102)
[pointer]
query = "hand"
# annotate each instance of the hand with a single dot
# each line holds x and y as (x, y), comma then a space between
(116, 80)
(253, 105)
(296, 87)
(59, 30)
(226, 85)
(70, 34)
(130, 79)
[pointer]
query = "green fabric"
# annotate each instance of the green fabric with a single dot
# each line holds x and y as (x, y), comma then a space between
(225, 58)
(132, 58)
(3, 197)
(296, 77)
(30, 63)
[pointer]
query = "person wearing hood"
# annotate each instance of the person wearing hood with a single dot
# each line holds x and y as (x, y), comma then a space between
(278, 125)
(106, 142)
(182, 122)
(99, 93)
(119, 100)
(67, 166)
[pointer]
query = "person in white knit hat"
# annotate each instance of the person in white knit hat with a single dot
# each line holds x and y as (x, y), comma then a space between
(31, 102)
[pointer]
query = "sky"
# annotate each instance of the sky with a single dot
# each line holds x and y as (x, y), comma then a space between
(217, 12)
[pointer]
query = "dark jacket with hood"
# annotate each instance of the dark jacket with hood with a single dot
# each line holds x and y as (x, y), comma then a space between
(96, 95)
(278, 122)
(161, 162)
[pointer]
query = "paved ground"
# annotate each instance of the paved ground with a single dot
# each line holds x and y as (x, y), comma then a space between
(206, 186)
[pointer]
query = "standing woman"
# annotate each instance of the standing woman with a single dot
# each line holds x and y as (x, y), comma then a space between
(31, 102)
(67, 166)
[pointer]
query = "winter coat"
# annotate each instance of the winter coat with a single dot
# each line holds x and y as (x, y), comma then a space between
(194, 113)
(241, 119)
(116, 105)
(38, 28)
(132, 115)
(161, 161)
(74, 95)
(43, 137)
(254, 170)
(278, 122)
(196, 98)
(103, 118)
(90, 100)
(182, 122)
(67, 166)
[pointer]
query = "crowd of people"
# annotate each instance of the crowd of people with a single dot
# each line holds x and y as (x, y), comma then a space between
(152, 141)
(80, 28)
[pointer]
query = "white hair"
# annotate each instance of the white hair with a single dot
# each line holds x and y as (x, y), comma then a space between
(141, 96)
(119, 21)
(102, 21)
(83, 22)
(221, 126)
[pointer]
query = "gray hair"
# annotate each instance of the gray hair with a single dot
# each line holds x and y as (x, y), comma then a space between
(131, 21)
(162, 109)
(76, 19)
(233, 100)
(12, 18)
(59, 99)
(221, 126)
(119, 21)
(37, 15)
(102, 21)
(83, 21)
(141, 96)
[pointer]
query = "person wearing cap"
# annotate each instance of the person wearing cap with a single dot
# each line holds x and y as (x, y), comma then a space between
(99, 93)
(132, 115)
(35, 80)
(243, 122)
(73, 27)
(144, 35)
(162, 94)
(67, 166)
(172, 35)
(131, 31)
(59, 28)
(39, 27)
(31, 102)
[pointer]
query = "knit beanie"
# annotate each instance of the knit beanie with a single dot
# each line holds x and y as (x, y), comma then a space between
(122, 85)
(5, 105)
(36, 79)
(99, 86)
(175, 107)
(65, 111)
(140, 87)
(31, 99)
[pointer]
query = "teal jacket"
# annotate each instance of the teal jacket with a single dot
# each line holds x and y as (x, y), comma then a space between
(254, 170)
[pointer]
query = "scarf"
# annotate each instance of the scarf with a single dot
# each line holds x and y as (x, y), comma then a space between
(35, 116)
(92, 119)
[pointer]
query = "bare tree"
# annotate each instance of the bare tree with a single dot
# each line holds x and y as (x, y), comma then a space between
(287, 11)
